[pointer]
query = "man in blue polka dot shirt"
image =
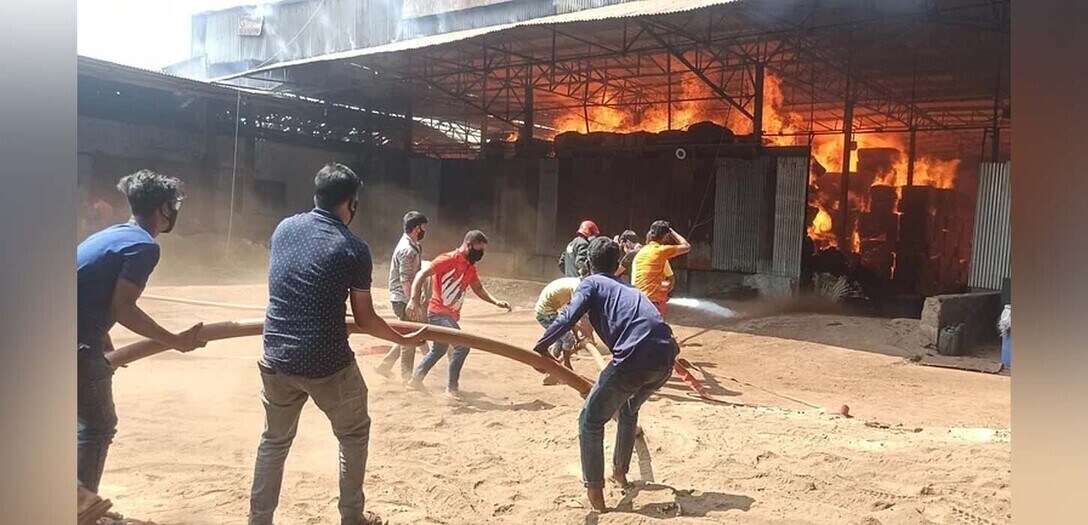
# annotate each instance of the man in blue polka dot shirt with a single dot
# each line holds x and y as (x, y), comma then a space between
(315, 264)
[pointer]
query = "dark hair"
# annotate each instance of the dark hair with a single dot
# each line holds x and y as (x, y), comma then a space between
(658, 230)
(604, 255)
(146, 191)
(413, 219)
(629, 236)
(475, 237)
(334, 185)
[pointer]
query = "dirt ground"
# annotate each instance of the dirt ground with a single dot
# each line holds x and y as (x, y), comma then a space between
(924, 445)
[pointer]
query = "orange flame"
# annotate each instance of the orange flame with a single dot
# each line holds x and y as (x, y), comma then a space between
(651, 118)
(781, 127)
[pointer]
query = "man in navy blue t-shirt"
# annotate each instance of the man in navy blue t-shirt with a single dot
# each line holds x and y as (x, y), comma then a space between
(315, 264)
(643, 353)
(112, 268)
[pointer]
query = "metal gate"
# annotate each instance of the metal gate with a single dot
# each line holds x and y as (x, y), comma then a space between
(790, 211)
(742, 208)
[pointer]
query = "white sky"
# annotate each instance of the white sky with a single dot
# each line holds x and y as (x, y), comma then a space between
(142, 33)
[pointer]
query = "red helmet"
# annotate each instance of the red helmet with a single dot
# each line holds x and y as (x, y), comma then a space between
(589, 229)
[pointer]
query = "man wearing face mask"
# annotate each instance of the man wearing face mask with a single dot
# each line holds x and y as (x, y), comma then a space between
(572, 262)
(452, 273)
(315, 264)
(112, 268)
(403, 267)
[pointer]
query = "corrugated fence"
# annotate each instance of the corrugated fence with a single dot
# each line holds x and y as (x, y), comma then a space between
(990, 251)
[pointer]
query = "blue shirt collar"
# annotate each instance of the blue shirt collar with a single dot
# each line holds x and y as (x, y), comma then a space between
(327, 215)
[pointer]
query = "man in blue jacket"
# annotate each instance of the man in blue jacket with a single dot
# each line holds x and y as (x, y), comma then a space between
(643, 354)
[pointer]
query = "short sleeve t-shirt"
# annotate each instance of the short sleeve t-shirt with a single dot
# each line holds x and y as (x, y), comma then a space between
(556, 295)
(650, 267)
(123, 251)
(453, 274)
(314, 260)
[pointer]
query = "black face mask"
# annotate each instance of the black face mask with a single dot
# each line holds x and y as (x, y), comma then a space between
(422, 234)
(351, 209)
(172, 217)
(474, 255)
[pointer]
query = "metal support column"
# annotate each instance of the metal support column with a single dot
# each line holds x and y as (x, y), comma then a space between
(585, 106)
(408, 119)
(995, 133)
(525, 138)
(757, 109)
(912, 153)
(484, 99)
(847, 151)
(668, 94)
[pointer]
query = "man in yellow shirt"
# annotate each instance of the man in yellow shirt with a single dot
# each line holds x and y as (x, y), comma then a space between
(553, 298)
(651, 272)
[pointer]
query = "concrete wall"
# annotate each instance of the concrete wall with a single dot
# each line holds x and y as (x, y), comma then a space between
(977, 311)
(108, 150)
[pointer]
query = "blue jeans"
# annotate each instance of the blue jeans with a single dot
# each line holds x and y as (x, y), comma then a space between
(457, 358)
(620, 389)
(96, 417)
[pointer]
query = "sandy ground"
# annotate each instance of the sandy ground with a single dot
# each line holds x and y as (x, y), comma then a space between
(925, 445)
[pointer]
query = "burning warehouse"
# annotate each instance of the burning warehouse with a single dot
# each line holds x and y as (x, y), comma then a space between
(852, 150)
(788, 138)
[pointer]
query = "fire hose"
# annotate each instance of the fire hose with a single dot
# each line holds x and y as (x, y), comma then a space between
(229, 330)
(252, 327)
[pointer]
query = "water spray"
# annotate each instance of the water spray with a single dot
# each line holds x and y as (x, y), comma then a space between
(703, 306)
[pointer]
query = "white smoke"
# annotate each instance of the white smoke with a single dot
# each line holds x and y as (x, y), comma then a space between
(703, 306)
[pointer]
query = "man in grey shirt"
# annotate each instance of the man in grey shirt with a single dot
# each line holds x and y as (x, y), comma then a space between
(405, 264)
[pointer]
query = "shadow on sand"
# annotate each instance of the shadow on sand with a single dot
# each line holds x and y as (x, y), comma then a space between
(685, 503)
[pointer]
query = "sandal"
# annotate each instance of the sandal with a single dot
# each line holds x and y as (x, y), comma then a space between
(93, 509)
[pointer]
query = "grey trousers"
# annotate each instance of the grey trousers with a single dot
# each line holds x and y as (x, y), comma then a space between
(406, 354)
(342, 396)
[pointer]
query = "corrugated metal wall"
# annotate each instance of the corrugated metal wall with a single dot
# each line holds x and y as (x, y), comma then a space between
(991, 249)
(791, 197)
(339, 26)
(743, 216)
(569, 6)
(474, 17)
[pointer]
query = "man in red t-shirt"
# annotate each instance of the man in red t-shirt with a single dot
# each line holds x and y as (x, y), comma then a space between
(452, 274)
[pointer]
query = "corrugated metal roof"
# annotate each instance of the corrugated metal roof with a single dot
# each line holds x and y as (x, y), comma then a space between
(616, 11)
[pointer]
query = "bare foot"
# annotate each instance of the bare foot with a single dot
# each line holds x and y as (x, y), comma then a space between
(417, 385)
(369, 518)
(596, 499)
(620, 479)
